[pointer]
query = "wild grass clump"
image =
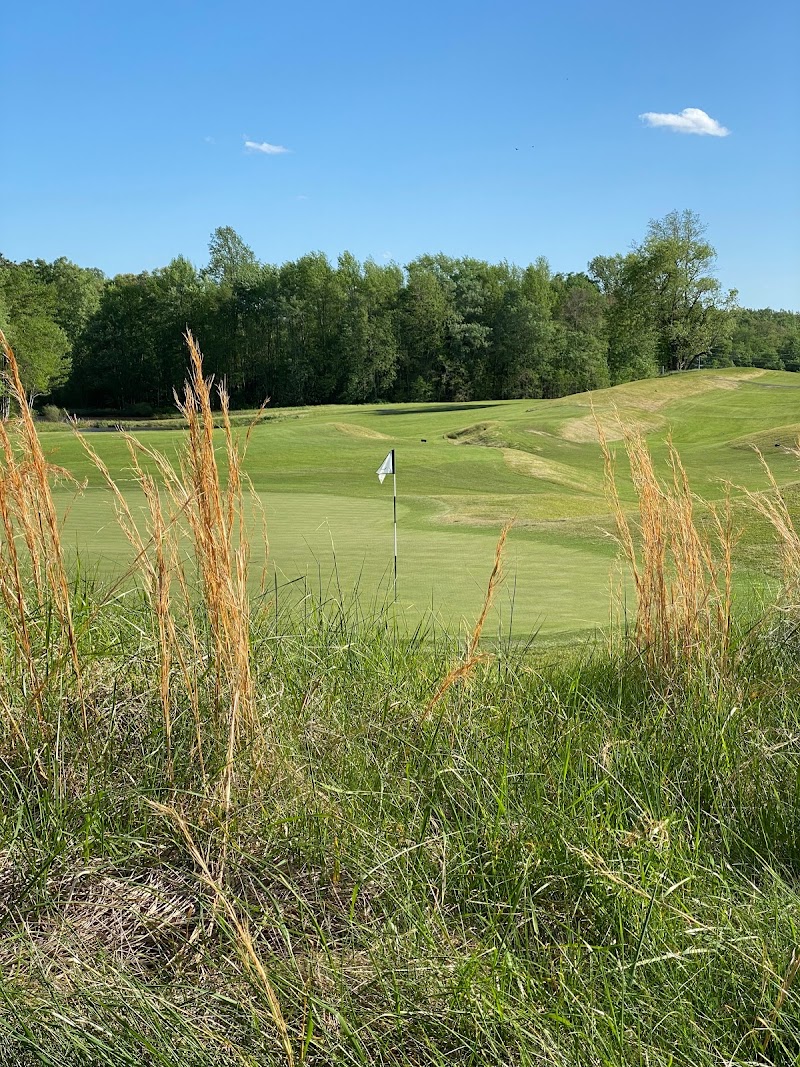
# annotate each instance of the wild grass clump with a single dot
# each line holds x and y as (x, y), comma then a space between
(578, 869)
(34, 584)
(192, 498)
(682, 571)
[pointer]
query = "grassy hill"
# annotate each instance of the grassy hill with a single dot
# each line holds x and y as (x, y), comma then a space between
(463, 470)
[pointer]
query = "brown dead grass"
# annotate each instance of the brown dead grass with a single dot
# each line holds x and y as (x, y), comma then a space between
(682, 575)
(239, 926)
(772, 506)
(194, 498)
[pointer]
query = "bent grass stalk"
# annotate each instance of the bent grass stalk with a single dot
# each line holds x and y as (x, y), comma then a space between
(772, 506)
(213, 516)
(158, 569)
(216, 520)
(243, 940)
(473, 657)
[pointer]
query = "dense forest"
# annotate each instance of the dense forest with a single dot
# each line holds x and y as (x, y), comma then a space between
(310, 332)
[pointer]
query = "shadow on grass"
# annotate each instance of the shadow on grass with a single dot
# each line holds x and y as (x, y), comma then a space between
(429, 409)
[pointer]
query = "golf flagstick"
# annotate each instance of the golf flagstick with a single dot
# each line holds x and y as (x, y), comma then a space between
(389, 467)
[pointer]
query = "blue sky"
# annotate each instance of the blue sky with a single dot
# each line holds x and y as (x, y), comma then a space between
(502, 131)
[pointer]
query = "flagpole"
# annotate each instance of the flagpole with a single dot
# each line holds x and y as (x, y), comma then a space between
(394, 486)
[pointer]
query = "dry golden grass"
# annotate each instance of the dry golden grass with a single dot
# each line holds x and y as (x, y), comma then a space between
(30, 522)
(156, 559)
(216, 521)
(772, 506)
(200, 606)
(193, 499)
(682, 575)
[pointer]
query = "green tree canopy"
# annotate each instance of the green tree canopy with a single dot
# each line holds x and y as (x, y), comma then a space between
(230, 260)
(28, 309)
(666, 293)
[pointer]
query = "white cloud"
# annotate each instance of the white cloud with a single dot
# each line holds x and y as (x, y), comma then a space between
(265, 148)
(690, 120)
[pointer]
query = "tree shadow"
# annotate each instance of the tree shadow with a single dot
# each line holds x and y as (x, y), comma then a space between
(432, 409)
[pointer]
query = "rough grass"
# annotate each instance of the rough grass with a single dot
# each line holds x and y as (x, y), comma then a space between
(561, 863)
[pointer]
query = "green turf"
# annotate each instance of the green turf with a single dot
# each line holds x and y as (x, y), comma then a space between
(330, 521)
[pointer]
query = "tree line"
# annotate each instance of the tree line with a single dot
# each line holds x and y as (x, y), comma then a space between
(441, 328)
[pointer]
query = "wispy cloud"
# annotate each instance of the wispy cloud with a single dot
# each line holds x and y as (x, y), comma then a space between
(265, 148)
(690, 120)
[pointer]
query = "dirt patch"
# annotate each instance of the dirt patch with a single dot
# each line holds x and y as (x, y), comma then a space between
(350, 429)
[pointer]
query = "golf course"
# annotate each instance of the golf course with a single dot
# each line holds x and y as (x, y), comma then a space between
(400, 536)
(463, 471)
(257, 811)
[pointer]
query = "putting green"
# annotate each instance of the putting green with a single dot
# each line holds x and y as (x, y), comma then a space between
(463, 470)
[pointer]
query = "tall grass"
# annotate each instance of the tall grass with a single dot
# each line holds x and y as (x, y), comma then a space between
(463, 670)
(28, 514)
(682, 571)
(211, 507)
(772, 506)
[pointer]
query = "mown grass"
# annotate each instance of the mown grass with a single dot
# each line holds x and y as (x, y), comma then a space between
(537, 462)
(241, 831)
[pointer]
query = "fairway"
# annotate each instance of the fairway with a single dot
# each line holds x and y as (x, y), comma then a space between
(462, 471)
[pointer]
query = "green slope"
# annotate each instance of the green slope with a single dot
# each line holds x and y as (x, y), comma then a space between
(463, 469)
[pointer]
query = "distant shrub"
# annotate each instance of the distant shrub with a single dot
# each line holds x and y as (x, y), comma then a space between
(141, 410)
(51, 413)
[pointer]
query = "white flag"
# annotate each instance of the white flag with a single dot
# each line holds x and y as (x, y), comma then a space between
(387, 467)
